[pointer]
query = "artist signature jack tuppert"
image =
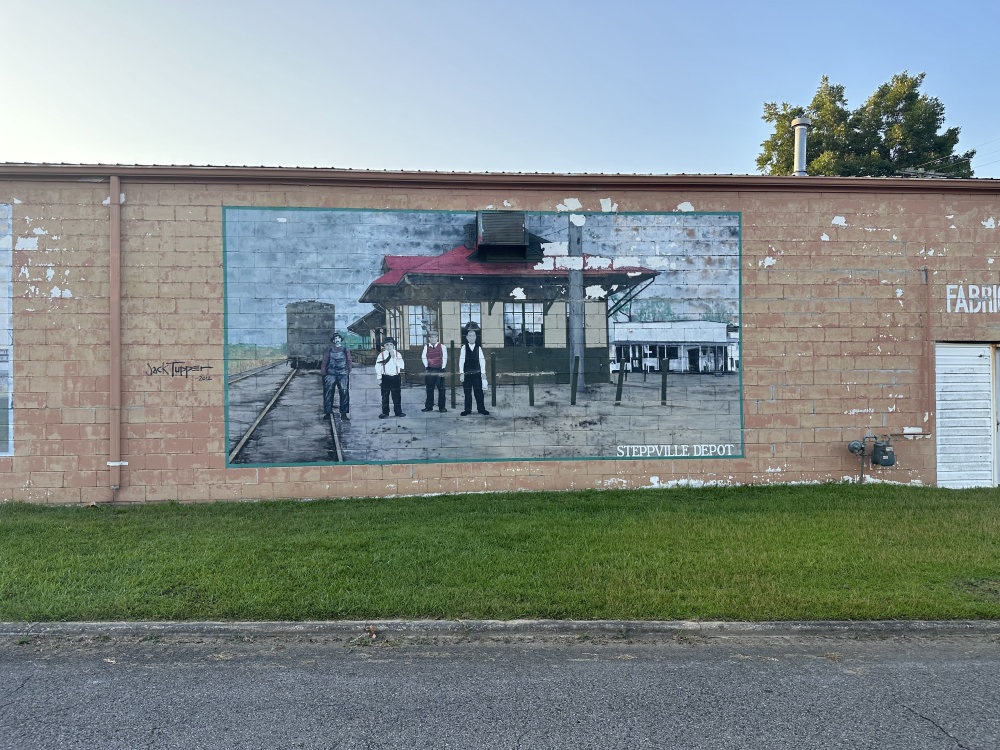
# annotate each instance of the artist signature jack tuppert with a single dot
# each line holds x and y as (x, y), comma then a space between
(174, 369)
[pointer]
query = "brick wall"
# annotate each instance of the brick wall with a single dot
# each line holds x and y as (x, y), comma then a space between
(843, 290)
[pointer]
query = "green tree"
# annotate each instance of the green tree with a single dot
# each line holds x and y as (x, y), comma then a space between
(897, 129)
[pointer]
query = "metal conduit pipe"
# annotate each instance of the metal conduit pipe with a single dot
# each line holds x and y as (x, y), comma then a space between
(115, 343)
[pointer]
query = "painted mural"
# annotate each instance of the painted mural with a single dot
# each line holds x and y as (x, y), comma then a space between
(6, 332)
(363, 336)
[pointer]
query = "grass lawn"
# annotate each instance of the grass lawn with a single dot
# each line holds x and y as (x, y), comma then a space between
(747, 553)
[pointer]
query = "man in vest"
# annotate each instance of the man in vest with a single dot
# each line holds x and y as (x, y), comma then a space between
(472, 364)
(435, 359)
(389, 376)
(336, 372)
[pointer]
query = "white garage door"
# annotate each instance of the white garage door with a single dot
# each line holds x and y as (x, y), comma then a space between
(966, 428)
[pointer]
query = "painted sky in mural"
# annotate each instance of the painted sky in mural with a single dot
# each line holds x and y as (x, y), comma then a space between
(603, 335)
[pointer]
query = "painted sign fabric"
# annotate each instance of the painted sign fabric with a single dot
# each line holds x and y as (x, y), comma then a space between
(362, 336)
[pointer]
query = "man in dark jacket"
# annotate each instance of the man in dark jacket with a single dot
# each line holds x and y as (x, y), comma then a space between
(336, 371)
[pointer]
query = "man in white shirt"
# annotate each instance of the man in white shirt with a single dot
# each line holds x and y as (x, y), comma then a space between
(389, 375)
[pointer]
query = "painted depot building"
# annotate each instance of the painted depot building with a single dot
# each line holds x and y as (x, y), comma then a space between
(170, 332)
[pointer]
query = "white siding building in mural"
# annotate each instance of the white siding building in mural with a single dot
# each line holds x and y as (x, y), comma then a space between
(686, 346)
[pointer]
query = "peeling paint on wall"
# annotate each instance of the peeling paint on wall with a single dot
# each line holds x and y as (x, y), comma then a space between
(570, 264)
(685, 206)
(596, 292)
(555, 248)
(839, 221)
(596, 262)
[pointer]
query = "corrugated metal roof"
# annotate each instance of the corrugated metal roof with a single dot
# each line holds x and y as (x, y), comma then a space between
(419, 178)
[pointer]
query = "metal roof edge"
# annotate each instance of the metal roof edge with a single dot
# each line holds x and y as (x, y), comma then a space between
(543, 180)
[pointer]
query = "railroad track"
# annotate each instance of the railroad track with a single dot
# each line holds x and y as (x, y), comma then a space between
(254, 371)
(235, 452)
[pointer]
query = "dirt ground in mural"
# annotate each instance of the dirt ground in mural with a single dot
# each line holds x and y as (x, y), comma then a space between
(700, 410)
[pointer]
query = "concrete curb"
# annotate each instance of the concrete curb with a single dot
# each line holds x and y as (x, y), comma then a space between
(499, 629)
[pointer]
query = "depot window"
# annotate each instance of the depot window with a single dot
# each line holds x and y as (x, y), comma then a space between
(523, 324)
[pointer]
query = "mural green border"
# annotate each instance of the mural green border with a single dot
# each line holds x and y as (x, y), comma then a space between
(742, 429)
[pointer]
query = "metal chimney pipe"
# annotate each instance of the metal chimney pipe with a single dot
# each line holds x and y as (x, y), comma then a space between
(801, 126)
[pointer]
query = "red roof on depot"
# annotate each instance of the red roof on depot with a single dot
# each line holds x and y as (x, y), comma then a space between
(397, 266)
(460, 262)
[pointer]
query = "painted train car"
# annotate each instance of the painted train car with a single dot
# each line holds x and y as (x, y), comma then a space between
(310, 324)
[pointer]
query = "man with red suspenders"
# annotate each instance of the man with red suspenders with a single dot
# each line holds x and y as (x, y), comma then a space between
(435, 359)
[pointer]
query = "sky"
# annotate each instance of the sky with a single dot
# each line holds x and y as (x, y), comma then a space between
(633, 86)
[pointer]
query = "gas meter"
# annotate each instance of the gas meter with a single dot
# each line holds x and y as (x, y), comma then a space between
(882, 453)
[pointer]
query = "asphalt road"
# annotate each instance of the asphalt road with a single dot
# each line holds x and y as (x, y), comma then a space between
(255, 687)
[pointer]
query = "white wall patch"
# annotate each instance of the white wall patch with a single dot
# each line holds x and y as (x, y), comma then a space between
(627, 262)
(596, 291)
(597, 262)
(517, 293)
(555, 248)
(569, 263)
(839, 221)
(685, 206)
(570, 204)
(607, 206)
(990, 223)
